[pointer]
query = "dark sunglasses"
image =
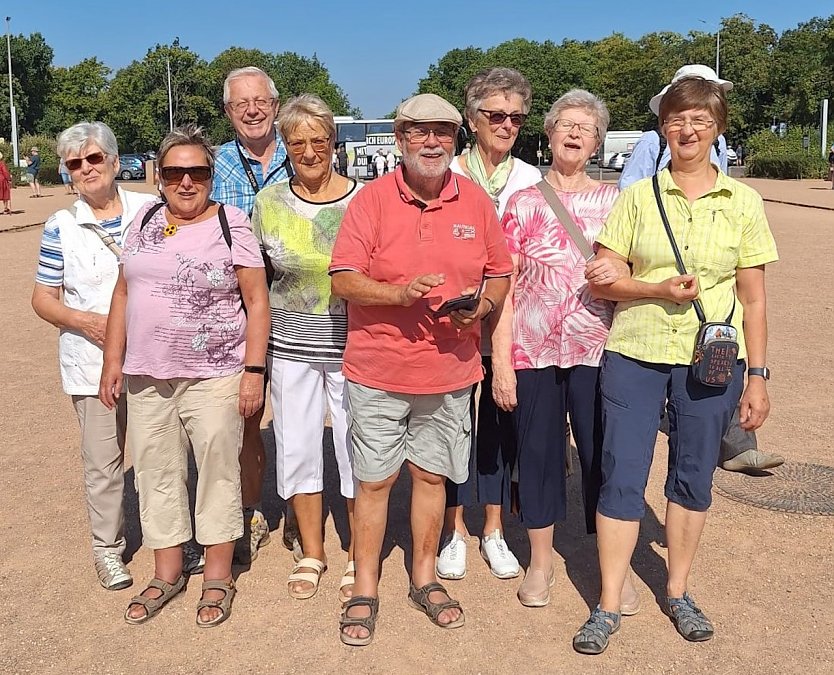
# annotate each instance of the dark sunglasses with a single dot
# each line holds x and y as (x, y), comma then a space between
(93, 159)
(498, 117)
(175, 174)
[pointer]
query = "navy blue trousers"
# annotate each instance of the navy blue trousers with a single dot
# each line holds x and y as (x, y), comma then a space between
(545, 397)
(493, 454)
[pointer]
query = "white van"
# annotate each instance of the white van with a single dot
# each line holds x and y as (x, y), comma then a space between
(618, 141)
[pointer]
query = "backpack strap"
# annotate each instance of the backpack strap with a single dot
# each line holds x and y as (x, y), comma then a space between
(150, 213)
(224, 226)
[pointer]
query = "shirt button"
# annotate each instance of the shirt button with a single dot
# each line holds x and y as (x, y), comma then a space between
(689, 220)
(686, 248)
(674, 330)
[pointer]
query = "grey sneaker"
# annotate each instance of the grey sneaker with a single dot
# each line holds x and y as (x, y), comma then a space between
(112, 572)
(753, 460)
(255, 536)
(193, 559)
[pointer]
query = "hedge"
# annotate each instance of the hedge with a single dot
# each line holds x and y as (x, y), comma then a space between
(793, 165)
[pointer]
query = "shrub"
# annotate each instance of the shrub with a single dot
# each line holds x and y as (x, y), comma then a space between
(787, 165)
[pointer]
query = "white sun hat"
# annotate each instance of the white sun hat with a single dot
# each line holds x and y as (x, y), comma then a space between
(694, 70)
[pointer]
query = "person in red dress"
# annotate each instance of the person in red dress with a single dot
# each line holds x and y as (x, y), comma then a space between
(5, 186)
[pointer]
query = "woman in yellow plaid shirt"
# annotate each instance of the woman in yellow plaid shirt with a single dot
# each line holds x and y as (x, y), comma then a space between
(724, 239)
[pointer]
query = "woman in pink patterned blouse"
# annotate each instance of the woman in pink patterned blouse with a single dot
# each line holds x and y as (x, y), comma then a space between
(551, 333)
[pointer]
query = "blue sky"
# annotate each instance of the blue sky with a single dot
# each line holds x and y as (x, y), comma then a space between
(376, 51)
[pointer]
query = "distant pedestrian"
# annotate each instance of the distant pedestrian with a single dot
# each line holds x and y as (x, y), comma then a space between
(5, 186)
(66, 179)
(342, 157)
(33, 169)
(379, 163)
(390, 162)
(739, 155)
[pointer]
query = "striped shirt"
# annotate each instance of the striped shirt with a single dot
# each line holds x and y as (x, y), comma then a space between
(722, 230)
(308, 323)
(231, 182)
(51, 257)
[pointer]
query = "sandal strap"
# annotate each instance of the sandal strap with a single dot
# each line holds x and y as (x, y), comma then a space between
(309, 577)
(351, 567)
(366, 622)
(312, 563)
(168, 591)
(218, 585)
(433, 609)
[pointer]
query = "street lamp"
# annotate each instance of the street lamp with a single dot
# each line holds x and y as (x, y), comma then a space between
(717, 45)
(12, 111)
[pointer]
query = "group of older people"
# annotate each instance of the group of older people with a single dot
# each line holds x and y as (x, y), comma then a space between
(376, 305)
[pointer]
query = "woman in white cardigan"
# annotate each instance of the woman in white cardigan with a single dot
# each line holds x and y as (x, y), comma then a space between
(77, 270)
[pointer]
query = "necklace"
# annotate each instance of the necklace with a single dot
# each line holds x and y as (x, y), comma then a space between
(588, 182)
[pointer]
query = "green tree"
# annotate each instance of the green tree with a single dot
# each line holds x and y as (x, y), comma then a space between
(32, 78)
(77, 93)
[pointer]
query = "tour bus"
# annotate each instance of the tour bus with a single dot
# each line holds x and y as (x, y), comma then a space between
(362, 139)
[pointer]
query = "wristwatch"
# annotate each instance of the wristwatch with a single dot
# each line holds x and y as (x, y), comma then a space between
(761, 372)
(259, 370)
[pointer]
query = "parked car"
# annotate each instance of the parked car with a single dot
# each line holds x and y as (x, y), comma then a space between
(732, 157)
(131, 166)
(618, 160)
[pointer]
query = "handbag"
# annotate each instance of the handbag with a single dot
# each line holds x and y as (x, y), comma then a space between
(716, 346)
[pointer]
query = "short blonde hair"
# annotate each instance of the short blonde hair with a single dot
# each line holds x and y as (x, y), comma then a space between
(189, 134)
(306, 108)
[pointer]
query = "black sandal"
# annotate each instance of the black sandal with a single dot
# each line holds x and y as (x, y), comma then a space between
(418, 598)
(366, 622)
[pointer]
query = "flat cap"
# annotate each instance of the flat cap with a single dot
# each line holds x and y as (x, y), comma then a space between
(427, 108)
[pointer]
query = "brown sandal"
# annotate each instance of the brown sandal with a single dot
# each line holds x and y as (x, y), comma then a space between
(419, 599)
(224, 604)
(153, 605)
(366, 622)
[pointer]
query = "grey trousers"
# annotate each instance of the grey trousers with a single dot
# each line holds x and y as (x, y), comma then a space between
(102, 455)
(735, 441)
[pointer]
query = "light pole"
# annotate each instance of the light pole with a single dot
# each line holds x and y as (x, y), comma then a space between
(717, 45)
(12, 111)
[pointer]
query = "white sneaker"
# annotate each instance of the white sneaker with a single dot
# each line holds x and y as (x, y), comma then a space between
(451, 563)
(502, 563)
(112, 572)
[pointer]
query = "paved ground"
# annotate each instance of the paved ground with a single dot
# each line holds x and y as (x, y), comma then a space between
(765, 578)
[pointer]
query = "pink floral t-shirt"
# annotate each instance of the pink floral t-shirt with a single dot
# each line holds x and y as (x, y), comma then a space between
(556, 322)
(184, 311)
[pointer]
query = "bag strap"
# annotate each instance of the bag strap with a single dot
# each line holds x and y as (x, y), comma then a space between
(565, 219)
(699, 310)
(106, 238)
(224, 226)
(150, 213)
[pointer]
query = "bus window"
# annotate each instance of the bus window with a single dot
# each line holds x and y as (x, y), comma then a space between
(381, 128)
(351, 132)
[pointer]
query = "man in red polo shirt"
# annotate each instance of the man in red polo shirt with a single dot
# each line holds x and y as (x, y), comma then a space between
(410, 241)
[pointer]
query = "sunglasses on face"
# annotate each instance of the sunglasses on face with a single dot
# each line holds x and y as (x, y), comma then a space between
(175, 174)
(92, 159)
(498, 117)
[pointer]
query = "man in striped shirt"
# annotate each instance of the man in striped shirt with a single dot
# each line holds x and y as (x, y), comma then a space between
(256, 157)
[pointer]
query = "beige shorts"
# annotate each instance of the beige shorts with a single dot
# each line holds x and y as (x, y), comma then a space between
(429, 430)
(208, 411)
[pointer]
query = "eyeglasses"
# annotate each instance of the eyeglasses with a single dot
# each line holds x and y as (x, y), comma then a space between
(566, 126)
(697, 124)
(92, 159)
(498, 117)
(262, 104)
(175, 174)
(318, 145)
(421, 134)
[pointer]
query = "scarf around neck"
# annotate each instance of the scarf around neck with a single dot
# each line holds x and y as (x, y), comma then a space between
(496, 183)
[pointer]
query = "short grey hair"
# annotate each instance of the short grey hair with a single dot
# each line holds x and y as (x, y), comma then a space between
(584, 100)
(306, 108)
(247, 71)
(76, 137)
(189, 134)
(492, 81)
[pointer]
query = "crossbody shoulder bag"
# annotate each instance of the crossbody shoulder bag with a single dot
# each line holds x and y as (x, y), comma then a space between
(565, 219)
(716, 347)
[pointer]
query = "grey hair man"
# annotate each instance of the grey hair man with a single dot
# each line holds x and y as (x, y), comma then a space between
(420, 238)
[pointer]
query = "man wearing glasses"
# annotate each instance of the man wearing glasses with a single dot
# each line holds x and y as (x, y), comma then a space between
(410, 242)
(255, 158)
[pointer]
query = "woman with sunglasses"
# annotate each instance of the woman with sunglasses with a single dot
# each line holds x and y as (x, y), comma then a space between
(193, 359)
(497, 103)
(296, 222)
(549, 339)
(77, 270)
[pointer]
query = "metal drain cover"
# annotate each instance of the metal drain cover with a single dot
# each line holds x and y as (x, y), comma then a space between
(790, 488)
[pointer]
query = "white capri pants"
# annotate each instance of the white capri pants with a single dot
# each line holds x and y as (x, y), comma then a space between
(302, 393)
